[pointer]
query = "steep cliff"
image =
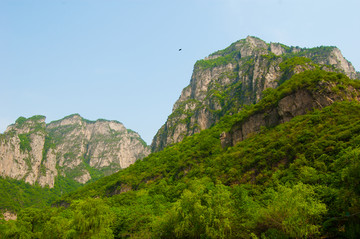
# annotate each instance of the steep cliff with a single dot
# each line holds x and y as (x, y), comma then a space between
(71, 147)
(21, 150)
(307, 91)
(227, 80)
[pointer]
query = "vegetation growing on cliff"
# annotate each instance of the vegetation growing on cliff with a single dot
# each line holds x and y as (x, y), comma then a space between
(218, 61)
(256, 65)
(24, 142)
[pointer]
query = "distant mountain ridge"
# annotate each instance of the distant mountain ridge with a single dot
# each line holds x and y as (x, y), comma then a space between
(227, 80)
(72, 147)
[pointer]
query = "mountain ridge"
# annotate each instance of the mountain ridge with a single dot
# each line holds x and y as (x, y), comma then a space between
(39, 152)
(230, 79)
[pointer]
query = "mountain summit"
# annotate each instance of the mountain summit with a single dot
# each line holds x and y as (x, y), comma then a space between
(72, 148)
(229, 79)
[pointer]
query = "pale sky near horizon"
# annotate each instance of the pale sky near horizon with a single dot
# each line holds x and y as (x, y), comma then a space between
(119, 59)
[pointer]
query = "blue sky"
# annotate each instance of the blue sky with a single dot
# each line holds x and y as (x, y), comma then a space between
(119, 59)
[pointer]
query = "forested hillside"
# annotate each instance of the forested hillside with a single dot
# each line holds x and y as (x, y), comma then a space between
(296, 179)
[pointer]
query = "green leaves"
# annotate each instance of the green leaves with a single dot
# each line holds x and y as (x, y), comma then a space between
(20, 121)
(218, 61)
(295, 211)
(204, 210)
(290, 64)
(88, 218)
(92, 219)
(25, 142)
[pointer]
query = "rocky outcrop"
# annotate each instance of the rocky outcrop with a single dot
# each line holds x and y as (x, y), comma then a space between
(21, 149)
(227, 80)
(297, 103)
(72, 147)
(9, 216)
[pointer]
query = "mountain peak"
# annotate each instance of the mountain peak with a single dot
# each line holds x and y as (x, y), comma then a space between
(72, 147)
(229, 79)
(256, 42)
(25, 125)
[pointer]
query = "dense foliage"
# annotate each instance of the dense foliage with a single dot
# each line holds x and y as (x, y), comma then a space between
(24, 142)
(299, 180)
(16, 194)
(218, 61)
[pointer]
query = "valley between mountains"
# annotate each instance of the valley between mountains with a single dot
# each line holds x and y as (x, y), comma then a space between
(263, 143)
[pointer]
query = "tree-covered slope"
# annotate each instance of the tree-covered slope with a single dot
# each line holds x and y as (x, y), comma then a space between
(296, 179)
(17, 194)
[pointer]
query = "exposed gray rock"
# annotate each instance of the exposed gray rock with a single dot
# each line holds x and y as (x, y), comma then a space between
(9, 216)
(277, 49)
(67, 147)
(227, 80)
(298, 103)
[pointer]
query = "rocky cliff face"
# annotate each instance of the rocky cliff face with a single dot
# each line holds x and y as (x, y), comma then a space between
(227, 80)
(72, 147)
(296, 103)
(21, 150)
